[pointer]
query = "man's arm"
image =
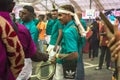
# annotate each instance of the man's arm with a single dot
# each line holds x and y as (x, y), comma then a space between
(40, 57)
(58, 39)
(70, 56)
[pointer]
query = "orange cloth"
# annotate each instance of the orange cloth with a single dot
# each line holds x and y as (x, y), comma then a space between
(42, 26)
(113, 78)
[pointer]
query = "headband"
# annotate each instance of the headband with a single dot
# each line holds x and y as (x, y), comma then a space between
(65, 11)
(77, 21)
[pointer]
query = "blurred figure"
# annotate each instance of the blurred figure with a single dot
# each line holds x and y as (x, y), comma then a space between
(30, 48)
(49, 25)
(12, 54)
(105, 52)
(42, 28)
(13, 17)
(35, 19)
(27, 20)
(20, 15)
(94, 40)
(85, 27)
(56, 34)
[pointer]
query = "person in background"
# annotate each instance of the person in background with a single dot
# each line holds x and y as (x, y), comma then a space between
(105, 52)
(29, 49)
(94, 41)
(42, 28)
(35, 19)
(27, 20)
(83, 41)
(19, 20)
(30, 42)
(56, 34)
(12, 54)
(13, 17)
(49, 25)
(81, 20)
(84, 25)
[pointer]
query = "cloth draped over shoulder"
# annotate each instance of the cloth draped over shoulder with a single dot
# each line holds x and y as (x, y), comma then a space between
(15, 53)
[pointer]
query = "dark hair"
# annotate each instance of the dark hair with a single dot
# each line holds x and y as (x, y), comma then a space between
(13, 14)
(29, 8)
(5, 5)
(42, 17)
(49, 15)
(54, 10)
(68, 7)
(95, 24)
(97, 19)
(118, 17)
(34, 14)
(13, 17)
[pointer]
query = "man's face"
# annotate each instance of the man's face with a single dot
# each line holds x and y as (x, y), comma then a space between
(63, 18)
(54, 14)
(20, 14)
(79, 15)
(26, 15)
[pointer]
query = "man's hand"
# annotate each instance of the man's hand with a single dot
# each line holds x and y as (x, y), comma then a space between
(45, 57)
(40, 57)
(53, 60)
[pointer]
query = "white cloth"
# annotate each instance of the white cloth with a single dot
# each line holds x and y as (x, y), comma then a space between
(26, 71)
(51, 52)
(47, 38)
(59, 72)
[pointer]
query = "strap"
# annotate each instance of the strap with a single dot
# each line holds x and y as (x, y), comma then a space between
(15, 27)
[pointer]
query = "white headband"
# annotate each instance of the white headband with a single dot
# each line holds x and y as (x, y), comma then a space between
(65, 11)
(77, 21)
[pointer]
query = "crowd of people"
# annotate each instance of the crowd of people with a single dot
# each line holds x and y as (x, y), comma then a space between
(22, 41)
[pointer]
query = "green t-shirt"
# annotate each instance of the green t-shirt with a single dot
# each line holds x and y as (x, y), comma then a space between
(70, 40)
(19, 20)
(55, 32)
(31, 26)
(50, 23)
(36, 21)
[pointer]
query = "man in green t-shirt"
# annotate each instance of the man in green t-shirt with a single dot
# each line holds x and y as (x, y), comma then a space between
(56, 34)
(70, 47)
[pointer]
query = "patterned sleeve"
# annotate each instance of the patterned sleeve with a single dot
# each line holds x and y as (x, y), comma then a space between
(14, 49)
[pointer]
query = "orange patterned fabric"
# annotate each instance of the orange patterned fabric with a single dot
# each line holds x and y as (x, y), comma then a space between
(14, 48)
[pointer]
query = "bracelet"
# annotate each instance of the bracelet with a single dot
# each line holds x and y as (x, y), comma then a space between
(57, 56)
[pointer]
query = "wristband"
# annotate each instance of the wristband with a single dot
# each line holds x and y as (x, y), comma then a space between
(57, 56)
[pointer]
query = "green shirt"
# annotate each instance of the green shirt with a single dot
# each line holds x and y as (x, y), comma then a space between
(70, 41)
(49, 27)
(31, 26)
(19, 20)
(36, 21)
(55, 32)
